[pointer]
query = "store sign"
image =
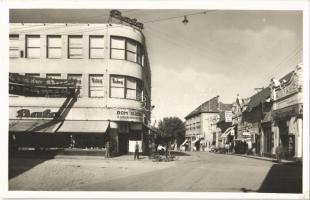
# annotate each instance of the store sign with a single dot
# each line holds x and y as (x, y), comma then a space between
(228, 116)
(96, 80)
(286, 102)
(118, 15)
(118, 82)
(286, 90)
(129, 115)
(26, 113)
(288, 111)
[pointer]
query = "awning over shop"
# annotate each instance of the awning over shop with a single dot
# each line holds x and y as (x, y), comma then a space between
(196, 140)
(84, 127)
(184, 142)
(33, 125)
(267, 118)
(228, 131)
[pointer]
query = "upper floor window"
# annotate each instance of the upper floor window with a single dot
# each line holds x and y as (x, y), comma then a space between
(117, 48)
(33, 46)
(75, 46)
(14, 46)
(125, 87)
(96, 46)
(54, 46)
(78, 79)
(53, 76)
(96, 85)
(33, 74)
(127, 49)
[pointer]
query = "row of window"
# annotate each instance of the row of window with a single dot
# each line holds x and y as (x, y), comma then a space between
(120, 48)
(122, 87)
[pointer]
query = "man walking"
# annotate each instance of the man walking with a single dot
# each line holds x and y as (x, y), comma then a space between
(136, 150)
(107, 149)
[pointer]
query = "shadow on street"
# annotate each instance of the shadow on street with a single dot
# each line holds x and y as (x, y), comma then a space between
(178, 153)
(283, 178)
(37, 157)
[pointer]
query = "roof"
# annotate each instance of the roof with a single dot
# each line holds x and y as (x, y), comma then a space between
(211, 106)
(258, 98)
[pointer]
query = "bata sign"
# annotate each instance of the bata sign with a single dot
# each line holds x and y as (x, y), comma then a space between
(118, 15)
(129, 115)
(25, 113)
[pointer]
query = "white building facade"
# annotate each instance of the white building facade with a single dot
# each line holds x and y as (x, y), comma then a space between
(108, 63)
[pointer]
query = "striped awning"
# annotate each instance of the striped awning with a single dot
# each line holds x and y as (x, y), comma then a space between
(228, 131)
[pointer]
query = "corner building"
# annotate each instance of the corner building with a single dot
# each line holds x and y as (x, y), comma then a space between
(110, 66)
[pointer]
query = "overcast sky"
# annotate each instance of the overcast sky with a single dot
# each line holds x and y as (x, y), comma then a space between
(217, 53)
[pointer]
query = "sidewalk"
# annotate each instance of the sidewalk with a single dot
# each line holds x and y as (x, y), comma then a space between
(266, 158)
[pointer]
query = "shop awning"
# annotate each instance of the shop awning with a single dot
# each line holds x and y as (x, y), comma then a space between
(196, 140)
(84, 127)
(267, 118)
(33, 125)
(227, 132)
(184, 142)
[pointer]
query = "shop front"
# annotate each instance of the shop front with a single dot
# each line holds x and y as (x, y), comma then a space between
(287, 114)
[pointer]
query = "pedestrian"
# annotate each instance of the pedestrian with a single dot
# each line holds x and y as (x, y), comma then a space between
(107, 149)
(136, 151)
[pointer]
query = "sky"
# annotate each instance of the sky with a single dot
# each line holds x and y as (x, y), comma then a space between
(218, 52)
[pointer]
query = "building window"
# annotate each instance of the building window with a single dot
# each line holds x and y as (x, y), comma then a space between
(127, 49)
(117, 87)
(33, 74)
(117, 48)
(75, 46)
(78, 79)
(53, 76)
(33, 46)
(131, 88)
(125, 87)
(96, 85)
(96, 46)
(14, 46)
(131, 50)
(53, 46)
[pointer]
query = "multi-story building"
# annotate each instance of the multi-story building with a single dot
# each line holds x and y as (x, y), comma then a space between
(112, 76)
(287, 113)
(201, 123)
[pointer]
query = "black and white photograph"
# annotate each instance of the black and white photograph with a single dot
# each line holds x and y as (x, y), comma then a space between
(166, 100)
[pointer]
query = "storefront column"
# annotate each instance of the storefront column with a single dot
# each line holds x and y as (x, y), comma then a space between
(275, 137)
(299, 137)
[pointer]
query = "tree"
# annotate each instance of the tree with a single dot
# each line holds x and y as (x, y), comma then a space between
(172, 130)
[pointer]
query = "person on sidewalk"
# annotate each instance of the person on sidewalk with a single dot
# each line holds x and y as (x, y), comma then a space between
(107, 149)
(136, 151)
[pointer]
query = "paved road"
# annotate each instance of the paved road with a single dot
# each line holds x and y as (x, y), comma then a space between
(209, 172)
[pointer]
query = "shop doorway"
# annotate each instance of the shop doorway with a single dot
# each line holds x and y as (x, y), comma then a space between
(284, 137)
(123, 143)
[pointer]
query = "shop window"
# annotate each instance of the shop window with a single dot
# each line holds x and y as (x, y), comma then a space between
(14, 46)
(75, 48)
(53, 46)
(96, 85)
(117, 48)
(33, 46)
(96, 46)
(117, 87)
(78, 79)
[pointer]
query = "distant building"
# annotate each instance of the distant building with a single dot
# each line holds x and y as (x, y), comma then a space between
(201, 130)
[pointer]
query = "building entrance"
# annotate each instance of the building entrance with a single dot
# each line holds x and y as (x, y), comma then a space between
(123, 143)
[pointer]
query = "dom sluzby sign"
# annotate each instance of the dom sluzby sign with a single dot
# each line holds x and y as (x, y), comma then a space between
(129, 115)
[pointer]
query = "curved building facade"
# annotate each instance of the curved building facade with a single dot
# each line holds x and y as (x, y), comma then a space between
(108, 64)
